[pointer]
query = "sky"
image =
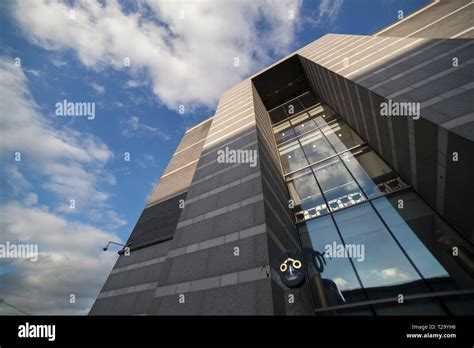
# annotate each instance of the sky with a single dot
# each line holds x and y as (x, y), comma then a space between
(65, 183)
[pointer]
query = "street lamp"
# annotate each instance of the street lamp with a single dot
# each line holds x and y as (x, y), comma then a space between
(122, 245)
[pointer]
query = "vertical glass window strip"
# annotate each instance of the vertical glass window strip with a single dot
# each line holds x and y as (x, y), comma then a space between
(341, 136)
(373, 175)
(292, 157)
(307, 197)
(429, 241)
(302, 124)
(316, 147)
(415, 249)
(338, 186)
(337, 283)
(382, 267)
(322, 115)
(283, 132)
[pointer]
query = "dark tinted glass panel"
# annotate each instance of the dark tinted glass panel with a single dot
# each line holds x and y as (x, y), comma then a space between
(306, 195)
(341, 136)
(292, 156)
(293, 107)
(339, 188)
(371, 173)
(384, 270)
(277, 115)
(460, 304)
(316, 147)
(337, 284)
(308, 100)
(443, 257)
(411, 307)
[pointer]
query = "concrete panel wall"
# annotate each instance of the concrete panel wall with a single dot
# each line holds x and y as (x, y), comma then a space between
(224, 212)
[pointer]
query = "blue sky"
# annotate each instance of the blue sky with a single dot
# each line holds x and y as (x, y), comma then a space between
(181, 53)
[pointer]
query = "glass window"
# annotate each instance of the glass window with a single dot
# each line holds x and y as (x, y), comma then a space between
(302, 124)
(323, 115)
(293, 107)
(318, 109)
(277, 115)
(339, 188)
(341, 136)
(337, 283)
(299, 119)
(371, 173)
(308, 100)
(423, 259)
(316, 147)
(384, 270)
(304, 191)
(292, 156)
(283, 132)
(429, 241)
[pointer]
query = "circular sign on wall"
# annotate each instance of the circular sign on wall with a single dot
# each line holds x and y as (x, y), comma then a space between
(292, 268)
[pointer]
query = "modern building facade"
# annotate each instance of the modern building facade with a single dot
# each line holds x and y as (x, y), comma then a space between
(365, 154)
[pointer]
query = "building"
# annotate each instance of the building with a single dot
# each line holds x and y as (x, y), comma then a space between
(364, 148)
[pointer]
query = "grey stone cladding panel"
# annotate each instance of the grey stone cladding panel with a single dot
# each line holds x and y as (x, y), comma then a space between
(157, 221)
(135, 303)
(170, 305)
(219, 260)
(144, 254)
(225, 196)
(240, 299)
(235, 142)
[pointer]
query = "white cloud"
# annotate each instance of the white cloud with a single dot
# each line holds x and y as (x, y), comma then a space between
(135, 84)
(12, 181)
(30, 199)
(330, 8)
(99, 89)
(70, 261)
(393, 273)
(324, 15)
(189, 61)
(58, 62)
(147, 161)
(133, 127)
(70, 162)
(341, 283)
(33, 72)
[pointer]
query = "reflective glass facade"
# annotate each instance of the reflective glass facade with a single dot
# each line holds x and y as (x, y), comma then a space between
(391, 245)
(327, 165)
